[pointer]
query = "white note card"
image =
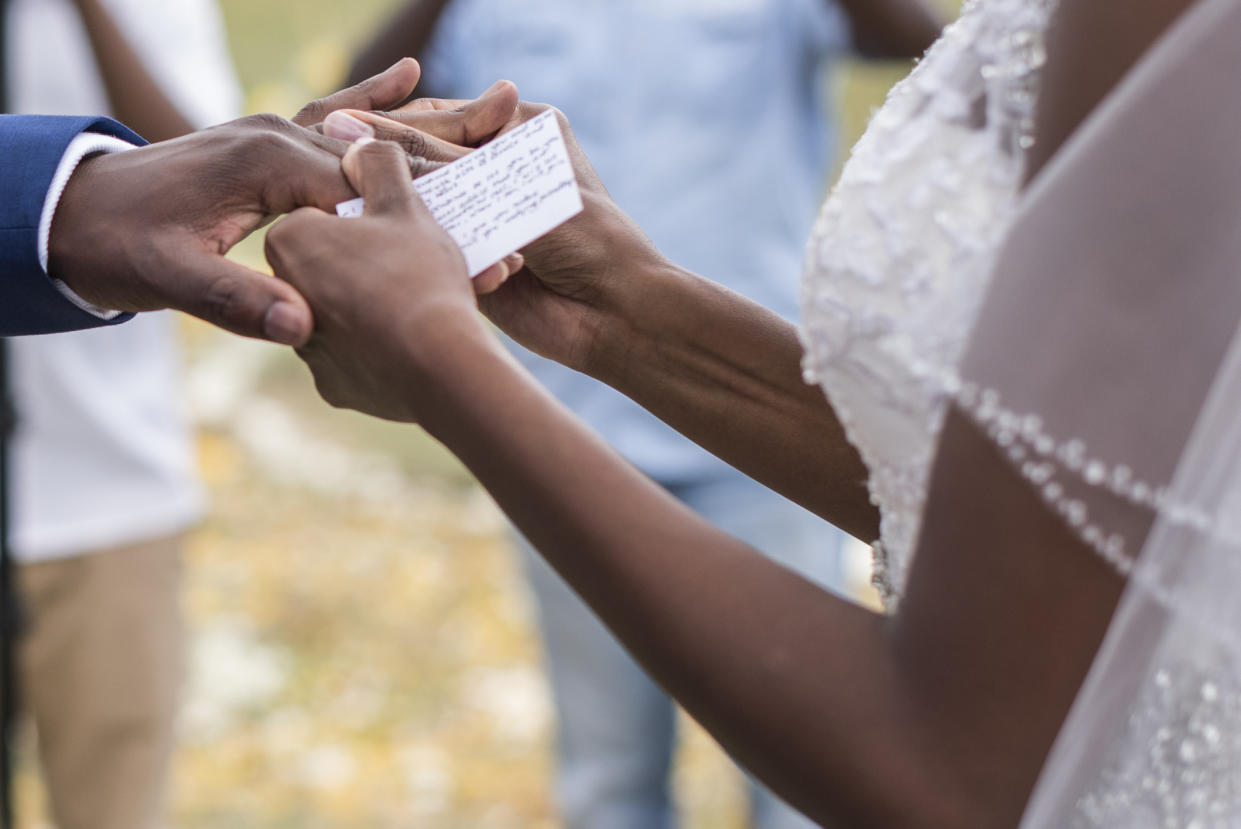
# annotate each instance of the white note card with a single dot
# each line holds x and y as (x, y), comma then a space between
(502, 196)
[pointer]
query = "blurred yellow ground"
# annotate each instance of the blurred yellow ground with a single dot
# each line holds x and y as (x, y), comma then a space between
(365, 652)
(362, 649)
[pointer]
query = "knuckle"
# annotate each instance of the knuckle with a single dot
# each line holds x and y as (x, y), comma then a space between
(419, 167)
(268, 144)
(413, 142)
(382, 152)
(289, 240)
(264, 122)
(225, 302)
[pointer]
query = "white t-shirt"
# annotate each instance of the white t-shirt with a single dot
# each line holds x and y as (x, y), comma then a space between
(103, 456)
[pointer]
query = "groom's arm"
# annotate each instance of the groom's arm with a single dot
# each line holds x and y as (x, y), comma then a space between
(148, 228)
(38, 164)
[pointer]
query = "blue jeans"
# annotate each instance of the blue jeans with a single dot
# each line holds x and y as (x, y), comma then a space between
(617, 729)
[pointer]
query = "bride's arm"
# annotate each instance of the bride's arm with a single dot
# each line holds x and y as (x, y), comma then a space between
(937, 718)
(724, 371)
(797, 683)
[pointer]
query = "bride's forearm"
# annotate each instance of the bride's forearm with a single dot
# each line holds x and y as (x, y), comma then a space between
(782, 672)
(726, 372)
(597, 296)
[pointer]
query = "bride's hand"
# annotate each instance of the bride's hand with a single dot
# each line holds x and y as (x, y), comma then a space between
(559, 303)
(390, 293)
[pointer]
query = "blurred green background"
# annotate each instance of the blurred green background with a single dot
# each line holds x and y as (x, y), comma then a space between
(363, 650)
(288, 51)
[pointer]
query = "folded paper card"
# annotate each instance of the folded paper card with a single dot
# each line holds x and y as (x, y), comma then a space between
(502, 196)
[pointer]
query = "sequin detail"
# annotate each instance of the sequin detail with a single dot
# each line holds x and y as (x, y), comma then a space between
(1176, 765)
(1043, 458)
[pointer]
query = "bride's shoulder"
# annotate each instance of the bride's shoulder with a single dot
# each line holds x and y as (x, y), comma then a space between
(1090, 48)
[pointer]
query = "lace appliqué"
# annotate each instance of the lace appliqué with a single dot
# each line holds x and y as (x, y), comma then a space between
(903, 248)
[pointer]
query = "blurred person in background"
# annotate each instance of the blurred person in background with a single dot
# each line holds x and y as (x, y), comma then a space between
(104, 485)
(665, 98)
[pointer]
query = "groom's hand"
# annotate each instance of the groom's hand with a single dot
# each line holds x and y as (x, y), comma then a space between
(148, 228)
(390, 289)
(556, 305)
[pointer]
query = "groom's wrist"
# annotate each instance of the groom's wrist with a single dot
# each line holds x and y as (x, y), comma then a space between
(436, 341)
(458, 362)
(72, 228)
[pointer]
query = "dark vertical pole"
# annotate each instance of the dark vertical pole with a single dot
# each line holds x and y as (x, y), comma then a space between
(8, 594)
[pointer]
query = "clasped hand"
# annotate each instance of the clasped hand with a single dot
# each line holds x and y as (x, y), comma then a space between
(148, 228)
(393, 303)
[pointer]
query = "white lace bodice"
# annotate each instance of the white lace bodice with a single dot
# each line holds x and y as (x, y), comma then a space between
(902, 252)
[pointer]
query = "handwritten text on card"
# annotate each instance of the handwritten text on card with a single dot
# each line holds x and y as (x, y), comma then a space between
(502, 196)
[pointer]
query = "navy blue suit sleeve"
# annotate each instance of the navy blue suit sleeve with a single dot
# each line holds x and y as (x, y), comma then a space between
(31, 147)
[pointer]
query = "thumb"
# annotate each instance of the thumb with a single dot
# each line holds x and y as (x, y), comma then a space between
(485, 116)
(380, 173)
(243, 301)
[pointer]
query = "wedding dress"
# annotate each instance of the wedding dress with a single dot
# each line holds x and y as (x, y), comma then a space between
(903, 248)
(1105, 363)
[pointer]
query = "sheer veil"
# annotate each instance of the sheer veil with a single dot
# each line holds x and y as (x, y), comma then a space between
(1107, 364)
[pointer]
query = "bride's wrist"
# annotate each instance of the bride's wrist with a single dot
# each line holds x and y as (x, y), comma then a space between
(435, 338)
(457, 365)
(626, 314)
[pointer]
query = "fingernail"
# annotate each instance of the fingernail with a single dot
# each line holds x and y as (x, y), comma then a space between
(364, 140)
(285, 324)
(344, 126)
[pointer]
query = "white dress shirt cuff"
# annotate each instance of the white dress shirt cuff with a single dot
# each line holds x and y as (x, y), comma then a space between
(88, 143)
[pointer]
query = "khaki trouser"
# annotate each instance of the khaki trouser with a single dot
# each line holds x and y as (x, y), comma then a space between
(101, 665)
